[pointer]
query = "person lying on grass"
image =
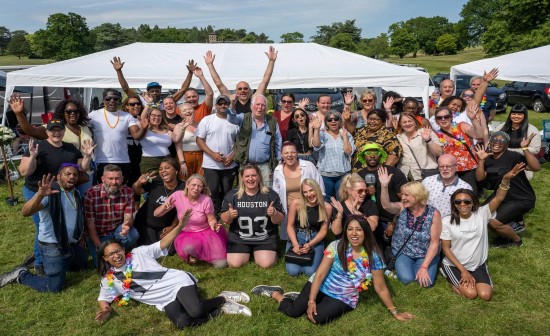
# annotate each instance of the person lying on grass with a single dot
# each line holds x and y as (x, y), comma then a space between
(139, 276)
(464, 240)
(349, 266)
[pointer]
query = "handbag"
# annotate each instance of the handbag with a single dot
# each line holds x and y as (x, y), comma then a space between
(423, 172)
(390, 257)
(301, 259)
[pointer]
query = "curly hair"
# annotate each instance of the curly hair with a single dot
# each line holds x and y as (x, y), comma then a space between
(59, 112)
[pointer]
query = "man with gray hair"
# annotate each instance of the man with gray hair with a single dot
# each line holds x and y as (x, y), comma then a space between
(444, 184)
(488, 103)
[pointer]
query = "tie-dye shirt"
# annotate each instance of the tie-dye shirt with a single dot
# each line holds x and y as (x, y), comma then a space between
(338, 284)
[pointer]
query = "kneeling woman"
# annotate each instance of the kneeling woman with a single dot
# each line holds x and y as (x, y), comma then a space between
(253, 212)
(307, 226)
(464, 240)
(202, 238)
(137, 275)
(348, 267)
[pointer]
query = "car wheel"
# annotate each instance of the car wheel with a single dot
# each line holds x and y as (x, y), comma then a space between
(538, 106)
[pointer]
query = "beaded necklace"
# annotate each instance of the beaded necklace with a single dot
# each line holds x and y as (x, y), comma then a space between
(107, 120)
(72, 201)
(125, 283)
(356, 274)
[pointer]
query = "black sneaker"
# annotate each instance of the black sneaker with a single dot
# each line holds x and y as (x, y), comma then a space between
(511, 243)
(264, 290)
(291, 295)
(498, 242)
(12, 276)
(518, 227)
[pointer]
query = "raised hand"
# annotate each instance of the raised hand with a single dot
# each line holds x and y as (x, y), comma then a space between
(186, 216)
(148, 99)
(426, 132)
(514, 171)
(33, 148)
(17, 104)
(383, 176)
(234, 213)
(45, 186)
(271, 210)
(527, 140)
(489, 76)
(144, 121)
(336, 205)
(87, 147)
(117, 63)
(209, 57)
(344, 133)
(315, 122)
(303, 103)
(191, 65)
(198, 72)
(147, 177)
(481, 152)
(169, 203)
(272, 54)
(472, 110)
(125, 229)
(346, 115)
(388, 103)
(348, 98)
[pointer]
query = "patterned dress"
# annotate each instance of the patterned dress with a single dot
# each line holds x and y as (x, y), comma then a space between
(459, 147)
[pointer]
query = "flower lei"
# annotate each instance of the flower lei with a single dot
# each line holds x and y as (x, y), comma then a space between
(483, 101)
(458, 136)
(352, 269)
(125, 283)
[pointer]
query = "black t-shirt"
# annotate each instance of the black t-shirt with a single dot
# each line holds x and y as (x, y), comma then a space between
(157, 195)
(397, 181)
(253, 225)
(243, 108)
(49, 159)
(312, 219)
(299, 139)
(368, 208)
(520, 188)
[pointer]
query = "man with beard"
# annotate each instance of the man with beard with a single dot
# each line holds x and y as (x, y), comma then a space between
(372, 157)
(61, 227)
(243, 93)
(109, 211)
(192, 97)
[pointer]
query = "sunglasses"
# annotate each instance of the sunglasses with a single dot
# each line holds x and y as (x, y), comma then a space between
(361, 191)
(469, 95)
(111, 98)
(367, 101)
(135, 104)
(466, 201)
(333, 119)
(299, 115)
(499, 141)
(287, 102)
(71, 111)
(445, 117)
(223, 103)
(242, 88)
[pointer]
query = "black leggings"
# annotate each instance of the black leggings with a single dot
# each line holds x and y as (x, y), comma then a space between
(189, 310)
(220, 182)
(328, 308)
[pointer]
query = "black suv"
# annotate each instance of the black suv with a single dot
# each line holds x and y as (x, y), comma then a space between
(535, 95)
(463, 83)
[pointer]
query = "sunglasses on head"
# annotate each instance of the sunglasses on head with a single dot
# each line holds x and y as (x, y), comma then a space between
(69, 111)
(110, 98)
(466, 201)
(444, 117)
(135, 104)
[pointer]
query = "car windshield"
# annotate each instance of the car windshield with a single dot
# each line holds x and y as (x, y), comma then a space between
(463, 82)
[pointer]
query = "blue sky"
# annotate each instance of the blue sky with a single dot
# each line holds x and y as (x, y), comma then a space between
(273, 18)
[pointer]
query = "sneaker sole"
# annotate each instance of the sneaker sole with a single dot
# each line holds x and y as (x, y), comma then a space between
(261, 294)
(244, 310)
(244, 298)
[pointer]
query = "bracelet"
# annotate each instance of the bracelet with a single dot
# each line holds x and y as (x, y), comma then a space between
(393, 312)
(311, 302)
(504, 187)
(524, 148)
(182, 161)
(390, 308)
(427, 141)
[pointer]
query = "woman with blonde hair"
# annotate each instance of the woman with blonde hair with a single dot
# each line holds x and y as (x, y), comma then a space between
(307, 226)
(415, 241)
(358, 119)
(202, 238)
(252, 212)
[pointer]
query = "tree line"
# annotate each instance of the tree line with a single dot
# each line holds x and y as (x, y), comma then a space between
(499, 26)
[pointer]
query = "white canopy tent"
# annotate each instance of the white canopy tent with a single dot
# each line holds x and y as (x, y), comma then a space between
(299, 65)
(526, 66)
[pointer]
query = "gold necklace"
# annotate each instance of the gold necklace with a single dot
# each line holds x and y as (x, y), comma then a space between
(107, 120)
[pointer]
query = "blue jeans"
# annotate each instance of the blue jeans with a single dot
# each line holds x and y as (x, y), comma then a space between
(406, 268)
(27, 195)
(332, 184)
(295, 269)
(128, 240)
(56, 265)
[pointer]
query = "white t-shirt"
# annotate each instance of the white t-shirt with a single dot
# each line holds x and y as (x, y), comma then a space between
(469, 242)
(111, 138)
(152, 283)
(155, 144)
(220, 136)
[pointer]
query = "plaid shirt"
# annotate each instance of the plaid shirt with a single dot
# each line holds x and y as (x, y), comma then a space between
(332, 158)
(105, 211)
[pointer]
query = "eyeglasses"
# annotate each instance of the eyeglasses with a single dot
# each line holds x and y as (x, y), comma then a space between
(135, 104)
(361, 191)
(71, 111)
(498, 140)
(466, 201)
(364, 101)
(333, 119)
(287, 102)
(447, 167)
(299, 115)
(244, 88)
(223, 103)
(110, 98)
(115, 252)
(468, 95)
(373, 119)
(445, 117)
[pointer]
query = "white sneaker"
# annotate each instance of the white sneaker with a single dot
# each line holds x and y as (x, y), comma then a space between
(234, 308)
(235, 296)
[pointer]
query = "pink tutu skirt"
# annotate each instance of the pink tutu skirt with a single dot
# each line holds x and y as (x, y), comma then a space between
(207, 245)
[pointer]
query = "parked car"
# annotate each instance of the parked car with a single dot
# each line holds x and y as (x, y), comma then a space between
(335, 95)
(463, 82)
(535, 95)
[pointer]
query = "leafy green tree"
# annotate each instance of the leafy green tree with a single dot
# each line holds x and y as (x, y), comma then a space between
(402, 42)
(66, 36)
(19, 45)
(250, 38)
(343, 41)
(325, 33)
(375, 47)
(446, 44)
(295, 37)
(425, 30)
(109, 36)
(5, 37)
(477, 16)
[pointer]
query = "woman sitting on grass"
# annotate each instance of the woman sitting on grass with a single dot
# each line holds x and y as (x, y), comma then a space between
(137, 275)
(349, 266)
(464, 240)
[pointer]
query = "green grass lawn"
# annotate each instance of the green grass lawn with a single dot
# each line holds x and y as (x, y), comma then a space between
(519, 306)
(14, 60)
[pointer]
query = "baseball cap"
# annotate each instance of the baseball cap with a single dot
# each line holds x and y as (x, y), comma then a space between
(223, 97)
(153, 84)
(55, 123)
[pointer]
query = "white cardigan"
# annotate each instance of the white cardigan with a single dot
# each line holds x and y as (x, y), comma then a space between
(308, 170)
